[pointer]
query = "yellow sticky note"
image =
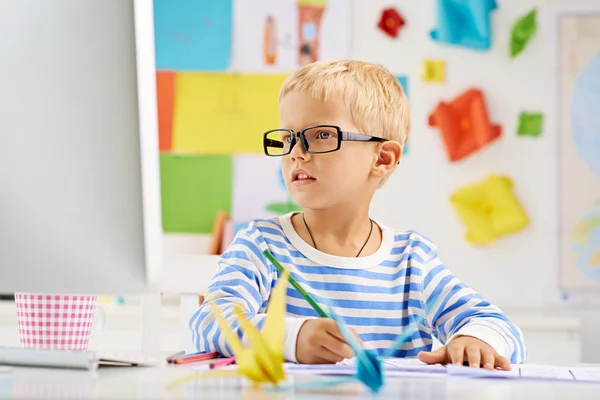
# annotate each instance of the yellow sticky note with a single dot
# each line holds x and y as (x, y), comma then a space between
(434, 70)
(223, 113)
(489, 210)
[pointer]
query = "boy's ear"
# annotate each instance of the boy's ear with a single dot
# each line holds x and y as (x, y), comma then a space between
(388, 156)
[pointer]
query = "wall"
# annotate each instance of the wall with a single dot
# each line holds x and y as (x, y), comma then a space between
(518, 272)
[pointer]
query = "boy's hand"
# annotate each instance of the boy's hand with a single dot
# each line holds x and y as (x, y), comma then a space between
(466, 349)
(321, 342)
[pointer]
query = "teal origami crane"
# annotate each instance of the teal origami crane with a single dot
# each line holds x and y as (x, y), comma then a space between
(369, 369)
(465, 23)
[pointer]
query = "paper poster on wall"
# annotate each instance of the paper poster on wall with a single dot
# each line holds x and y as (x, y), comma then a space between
(193, 35)
(281, 35)
(194, 188)
(579, 149)
(259, 189)
(223, 113)
(403, 79)
(165, 92)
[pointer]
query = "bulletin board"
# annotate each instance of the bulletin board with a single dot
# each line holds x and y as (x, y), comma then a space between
(489, 149)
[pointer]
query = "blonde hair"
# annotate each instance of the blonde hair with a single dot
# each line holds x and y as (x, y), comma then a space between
(377, 103)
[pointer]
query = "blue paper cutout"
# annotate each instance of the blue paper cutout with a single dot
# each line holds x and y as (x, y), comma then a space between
(403, 79)
(192, 35)
(465, 23)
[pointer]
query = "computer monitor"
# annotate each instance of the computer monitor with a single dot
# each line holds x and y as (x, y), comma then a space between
(79, 166)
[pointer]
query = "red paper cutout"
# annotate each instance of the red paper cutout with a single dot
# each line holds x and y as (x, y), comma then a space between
(391, 22)
(165, 92)
(464, 124)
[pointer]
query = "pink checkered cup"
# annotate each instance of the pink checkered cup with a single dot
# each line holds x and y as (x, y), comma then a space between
(59, 322)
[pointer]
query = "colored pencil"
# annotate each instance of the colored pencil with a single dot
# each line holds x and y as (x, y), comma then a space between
(222, 362)
(297, 286)
(196, 357)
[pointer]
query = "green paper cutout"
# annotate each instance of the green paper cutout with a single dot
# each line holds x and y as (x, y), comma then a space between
(530, 124)
(522, 32)
(194, 189)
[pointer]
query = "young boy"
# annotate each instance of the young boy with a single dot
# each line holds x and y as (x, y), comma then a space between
(344, 125)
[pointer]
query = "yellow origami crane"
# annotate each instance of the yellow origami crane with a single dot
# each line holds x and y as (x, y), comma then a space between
(263, 361)
(489, 210)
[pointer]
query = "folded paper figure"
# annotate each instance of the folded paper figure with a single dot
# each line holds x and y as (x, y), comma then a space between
(522, 32)
(261, 362)
(390, 22)
(464, 124)
(465, 23)
(369, 369)
(530, 124)
(434, 70)
(489, 210)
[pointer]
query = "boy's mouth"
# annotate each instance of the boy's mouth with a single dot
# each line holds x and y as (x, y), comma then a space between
(299, 176)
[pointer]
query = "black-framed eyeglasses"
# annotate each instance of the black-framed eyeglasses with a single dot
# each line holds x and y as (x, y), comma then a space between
(316, 139)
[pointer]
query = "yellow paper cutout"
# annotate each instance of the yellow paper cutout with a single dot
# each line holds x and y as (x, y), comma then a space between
(489, 210)
(263, 361)
(434, 70)
(223, 113)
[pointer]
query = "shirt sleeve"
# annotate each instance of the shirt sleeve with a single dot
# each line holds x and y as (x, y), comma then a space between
(454, 309)
(244, 278)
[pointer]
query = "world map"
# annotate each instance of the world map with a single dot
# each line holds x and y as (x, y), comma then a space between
(586, 245)
(585, 115)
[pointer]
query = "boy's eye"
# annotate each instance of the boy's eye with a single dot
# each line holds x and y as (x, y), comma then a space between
(287, 138)
(324, 135)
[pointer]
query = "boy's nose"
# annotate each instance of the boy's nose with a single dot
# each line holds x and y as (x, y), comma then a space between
(297, 151)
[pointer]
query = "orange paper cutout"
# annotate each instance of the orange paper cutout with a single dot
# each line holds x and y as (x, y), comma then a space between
(464, 124)
(165, 92)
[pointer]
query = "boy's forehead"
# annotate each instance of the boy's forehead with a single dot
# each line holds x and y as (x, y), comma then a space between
(300, 110)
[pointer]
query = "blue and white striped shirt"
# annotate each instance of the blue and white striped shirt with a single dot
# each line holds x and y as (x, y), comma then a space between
(377, 295)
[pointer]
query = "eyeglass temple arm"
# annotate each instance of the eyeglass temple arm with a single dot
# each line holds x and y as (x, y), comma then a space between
(357, 137)
(274, 143)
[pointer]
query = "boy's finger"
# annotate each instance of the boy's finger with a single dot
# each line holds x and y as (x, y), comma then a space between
(474, 356)
(327, 357)
(337, 346)
(456, 354)
(502, 362)
(433, 357)
(487, 359)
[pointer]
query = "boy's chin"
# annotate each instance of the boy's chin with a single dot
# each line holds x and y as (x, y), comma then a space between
(307, 202)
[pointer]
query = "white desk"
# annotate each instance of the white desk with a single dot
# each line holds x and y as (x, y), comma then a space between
(150, 383)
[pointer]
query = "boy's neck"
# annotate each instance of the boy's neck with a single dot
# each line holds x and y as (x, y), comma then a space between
(339, 232)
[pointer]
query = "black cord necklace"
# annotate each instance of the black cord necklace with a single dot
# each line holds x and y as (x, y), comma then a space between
(315, 245)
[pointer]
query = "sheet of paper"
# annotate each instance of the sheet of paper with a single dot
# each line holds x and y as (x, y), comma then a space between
(194, 189)
(391, 367)
(224, 113)
(258, 188)
(165, 91)
(532, 371)
(193, 35)
(281, 35)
